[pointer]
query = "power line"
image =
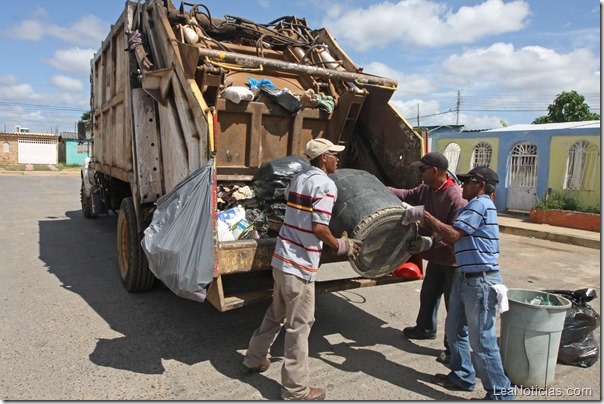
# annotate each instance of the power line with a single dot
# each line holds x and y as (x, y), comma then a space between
(31, 107)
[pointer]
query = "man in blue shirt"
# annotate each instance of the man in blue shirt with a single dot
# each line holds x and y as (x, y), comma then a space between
(472, 314)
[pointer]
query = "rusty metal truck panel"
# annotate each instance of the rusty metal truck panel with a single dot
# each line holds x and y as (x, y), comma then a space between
(159, 113)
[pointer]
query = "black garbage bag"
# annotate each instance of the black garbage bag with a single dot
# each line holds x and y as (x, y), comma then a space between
(273, 176)
(282, 97)
(578, 346)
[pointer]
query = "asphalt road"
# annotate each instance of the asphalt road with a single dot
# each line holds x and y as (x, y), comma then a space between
(70, 331)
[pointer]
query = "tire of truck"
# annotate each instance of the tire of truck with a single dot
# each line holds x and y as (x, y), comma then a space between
(86, 202)
(134, 268)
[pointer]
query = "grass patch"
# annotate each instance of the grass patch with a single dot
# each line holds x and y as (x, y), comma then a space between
(62, 166)
(12, 167)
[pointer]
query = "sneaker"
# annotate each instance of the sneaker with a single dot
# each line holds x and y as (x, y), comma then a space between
(257, 369)
(443, 381)
(444, 358)
(418, 332)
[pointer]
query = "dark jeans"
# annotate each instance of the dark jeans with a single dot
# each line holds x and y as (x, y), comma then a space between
(437, 282)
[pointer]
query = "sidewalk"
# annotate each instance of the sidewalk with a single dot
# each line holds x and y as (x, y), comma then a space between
(520, 226)
(53, 171)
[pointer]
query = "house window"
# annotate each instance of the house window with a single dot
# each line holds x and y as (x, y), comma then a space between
(452, 152)
(481, 156)
(6, 147)
(581, 166)
(82, 148)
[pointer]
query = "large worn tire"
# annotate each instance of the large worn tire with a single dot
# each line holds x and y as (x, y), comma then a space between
(134, 269)
(86, 202)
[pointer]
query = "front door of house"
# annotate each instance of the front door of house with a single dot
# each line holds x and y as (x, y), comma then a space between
(522, 191)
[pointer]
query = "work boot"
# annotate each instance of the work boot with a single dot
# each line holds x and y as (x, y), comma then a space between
(418, 332)
(444, 358)
(315, 393)
(257, 369)
(444, 381)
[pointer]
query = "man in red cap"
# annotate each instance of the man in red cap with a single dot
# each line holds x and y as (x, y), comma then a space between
(440, 196)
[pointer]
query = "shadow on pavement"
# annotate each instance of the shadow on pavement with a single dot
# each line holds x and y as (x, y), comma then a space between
(157, 325)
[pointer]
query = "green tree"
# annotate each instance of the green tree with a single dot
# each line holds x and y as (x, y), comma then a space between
(568, 107)
(86, 119)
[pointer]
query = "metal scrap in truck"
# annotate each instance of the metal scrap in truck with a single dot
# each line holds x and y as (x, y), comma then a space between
(174, 90)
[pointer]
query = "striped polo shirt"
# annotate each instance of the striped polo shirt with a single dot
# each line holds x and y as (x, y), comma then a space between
(478, 250)
(311, 196)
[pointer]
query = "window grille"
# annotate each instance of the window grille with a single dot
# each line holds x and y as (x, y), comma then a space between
(581, 166)
(481, 156)
(523, 170)
(452, 152)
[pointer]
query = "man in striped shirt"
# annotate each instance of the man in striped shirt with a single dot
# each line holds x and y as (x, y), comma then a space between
(472, 314)
(311, 196)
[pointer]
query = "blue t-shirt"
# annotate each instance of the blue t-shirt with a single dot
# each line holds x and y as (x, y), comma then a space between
(478, 250)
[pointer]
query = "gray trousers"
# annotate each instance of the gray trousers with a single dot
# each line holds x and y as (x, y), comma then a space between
(293, 306)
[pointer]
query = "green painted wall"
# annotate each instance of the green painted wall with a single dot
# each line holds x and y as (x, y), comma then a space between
(559, 147)
(71, 152)
(467, 146)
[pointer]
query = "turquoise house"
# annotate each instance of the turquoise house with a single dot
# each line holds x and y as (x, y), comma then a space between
(530, 160)
(71, 151)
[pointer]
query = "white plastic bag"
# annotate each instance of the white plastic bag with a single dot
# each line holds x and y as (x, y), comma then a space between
(237, 94)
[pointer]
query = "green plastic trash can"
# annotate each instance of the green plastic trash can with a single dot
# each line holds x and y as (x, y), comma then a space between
(530, 337)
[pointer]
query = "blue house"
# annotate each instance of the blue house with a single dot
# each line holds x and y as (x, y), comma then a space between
(530, 160)
(71, 151)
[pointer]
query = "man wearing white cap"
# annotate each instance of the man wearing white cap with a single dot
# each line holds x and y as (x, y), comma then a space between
(311, 196)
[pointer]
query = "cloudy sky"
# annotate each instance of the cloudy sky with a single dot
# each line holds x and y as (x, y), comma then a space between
(496, 60)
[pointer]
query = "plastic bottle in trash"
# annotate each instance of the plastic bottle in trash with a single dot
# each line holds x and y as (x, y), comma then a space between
(536, 301)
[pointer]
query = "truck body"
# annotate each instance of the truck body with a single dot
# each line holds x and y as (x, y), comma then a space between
(158, 113)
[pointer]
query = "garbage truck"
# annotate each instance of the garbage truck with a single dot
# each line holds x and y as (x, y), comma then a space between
(170, 93)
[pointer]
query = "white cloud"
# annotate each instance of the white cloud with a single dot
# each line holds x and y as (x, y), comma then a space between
(67, 83)
(73, 60)
(408, 85)
(531, 69)
(8, 79)
(424, 23)
(87, 31)
(11, 89)
(23, 105)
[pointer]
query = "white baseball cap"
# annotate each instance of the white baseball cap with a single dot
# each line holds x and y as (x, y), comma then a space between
(318, 146)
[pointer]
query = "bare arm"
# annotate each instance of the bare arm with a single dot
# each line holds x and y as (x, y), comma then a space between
(324, 234)
(448, 232)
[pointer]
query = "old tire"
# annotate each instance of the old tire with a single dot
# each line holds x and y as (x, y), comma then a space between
(134, 269)
(86, 202)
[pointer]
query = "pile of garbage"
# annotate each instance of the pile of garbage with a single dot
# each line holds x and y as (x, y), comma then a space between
(257, 211)
(284, 97)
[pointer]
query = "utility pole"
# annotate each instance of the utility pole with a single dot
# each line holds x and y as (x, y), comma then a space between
(418, 114)
(458, 105)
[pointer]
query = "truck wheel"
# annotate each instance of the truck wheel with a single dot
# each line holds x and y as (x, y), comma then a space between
(134, 269)
(86, 202)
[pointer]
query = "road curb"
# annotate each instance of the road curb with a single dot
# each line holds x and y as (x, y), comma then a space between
(561, 238)
(42, 173)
